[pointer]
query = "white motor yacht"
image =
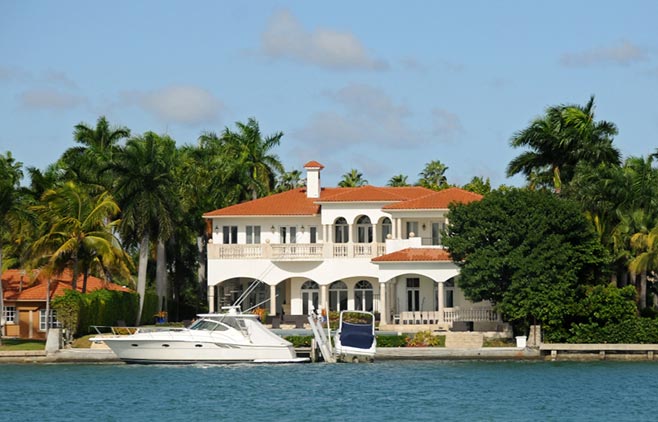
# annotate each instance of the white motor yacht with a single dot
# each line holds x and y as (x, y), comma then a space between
(230, 337)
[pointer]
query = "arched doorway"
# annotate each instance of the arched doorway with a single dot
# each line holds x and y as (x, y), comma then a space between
(337, 296)
(310, 296)
(363, 296)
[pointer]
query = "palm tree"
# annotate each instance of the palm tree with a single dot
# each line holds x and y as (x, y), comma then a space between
(352, 179)
(144, 186)
(433, 176)
(14, 214)
(76, 230)
(399, 180)
(559, 140)
(646, 261)
(252, 162)
(290, 180)
(98, 145)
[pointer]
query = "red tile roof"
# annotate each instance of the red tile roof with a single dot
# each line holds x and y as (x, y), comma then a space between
(313, 164)
(437, 200)
(35, 285)
(415, 254)
(295, 201)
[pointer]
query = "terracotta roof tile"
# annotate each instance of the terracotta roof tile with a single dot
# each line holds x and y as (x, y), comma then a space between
(437, 200)
(415, 254)
(313, 164)
(376, 194)
(35, 285)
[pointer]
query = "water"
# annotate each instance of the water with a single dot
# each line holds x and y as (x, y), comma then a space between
(383, 391)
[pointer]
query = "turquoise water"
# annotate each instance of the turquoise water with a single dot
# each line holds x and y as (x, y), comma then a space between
(383, 391)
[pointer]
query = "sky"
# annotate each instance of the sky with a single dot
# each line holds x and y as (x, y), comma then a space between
(383, 87)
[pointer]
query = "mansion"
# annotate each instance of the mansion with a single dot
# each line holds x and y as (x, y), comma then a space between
(317, 248)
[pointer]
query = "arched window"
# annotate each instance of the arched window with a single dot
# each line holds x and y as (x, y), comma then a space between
(341, 234)
(310, 296)
(387, 228)
(363, 296)
(363, 230)
(337, 296)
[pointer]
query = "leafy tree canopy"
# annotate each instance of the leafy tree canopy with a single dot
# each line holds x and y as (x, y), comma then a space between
(528, 252)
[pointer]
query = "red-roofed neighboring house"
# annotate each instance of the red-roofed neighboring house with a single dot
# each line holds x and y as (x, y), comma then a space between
(25, 295)
(363, 248)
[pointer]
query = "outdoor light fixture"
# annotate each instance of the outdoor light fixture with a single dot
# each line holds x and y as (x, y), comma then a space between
(272, 228)
(303, 228)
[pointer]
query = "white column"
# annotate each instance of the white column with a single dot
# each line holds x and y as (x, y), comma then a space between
(383, 308)
(324, 298)
(441, 301)
(272, 300)
(211, 299)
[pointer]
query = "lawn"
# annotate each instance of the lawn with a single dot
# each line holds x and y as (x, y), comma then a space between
(16, 344)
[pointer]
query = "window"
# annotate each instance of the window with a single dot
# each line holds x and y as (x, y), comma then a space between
(230, 234)
(363, 230)
(342, 231)
(337, 296)
(9, 314)
(310, 296)
(314, 234)
(387, 228)
(437, 228)
(253, 234)
(363, 296)
(412, 227)
(413, 294)
(288, 234)
(449, 297)
(53, 319)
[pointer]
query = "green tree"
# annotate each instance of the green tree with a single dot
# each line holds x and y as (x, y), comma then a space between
(528, 252)
(433, 176)
(14, 216)
(250, 157)
(144, 186)
(478, 185)
(77, 231)
(97, 147)
(290, 180)
(352, 179)
(399, 180)
(558, 141)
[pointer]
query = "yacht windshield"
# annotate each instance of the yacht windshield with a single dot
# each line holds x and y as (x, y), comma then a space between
(208, 325)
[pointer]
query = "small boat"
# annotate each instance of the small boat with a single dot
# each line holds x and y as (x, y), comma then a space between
(355, 340)
(230, 337)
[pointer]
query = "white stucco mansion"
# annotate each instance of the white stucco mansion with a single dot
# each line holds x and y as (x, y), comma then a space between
(365, 248)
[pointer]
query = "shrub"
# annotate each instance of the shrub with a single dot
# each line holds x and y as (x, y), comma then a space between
(424, 339)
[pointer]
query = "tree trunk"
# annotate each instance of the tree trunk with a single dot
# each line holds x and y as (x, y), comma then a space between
(202, 246)
(141, 274)
(161, 276)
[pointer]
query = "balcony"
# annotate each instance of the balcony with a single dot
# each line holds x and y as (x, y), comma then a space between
(297, 251)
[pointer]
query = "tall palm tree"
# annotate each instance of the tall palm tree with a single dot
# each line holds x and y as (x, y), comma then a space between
(250, 154)
(14, 214)
(433, 176)
(646, 261)
(97, 147)
(77, 230)
(144, 186)
(559, 140)
(290, 180)
(399, 180)
(352, 179)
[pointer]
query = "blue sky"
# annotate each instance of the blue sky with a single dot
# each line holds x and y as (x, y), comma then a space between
(380, 86)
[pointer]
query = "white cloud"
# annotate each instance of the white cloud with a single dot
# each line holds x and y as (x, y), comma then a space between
(186, 105)
(59, 78)
(286, 38)
(50, 99)
(623, 53)
(446, 125)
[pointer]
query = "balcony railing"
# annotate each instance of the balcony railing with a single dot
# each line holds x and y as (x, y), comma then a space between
(297, 251)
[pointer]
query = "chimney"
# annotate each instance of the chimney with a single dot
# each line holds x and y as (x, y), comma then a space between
(313, 186)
